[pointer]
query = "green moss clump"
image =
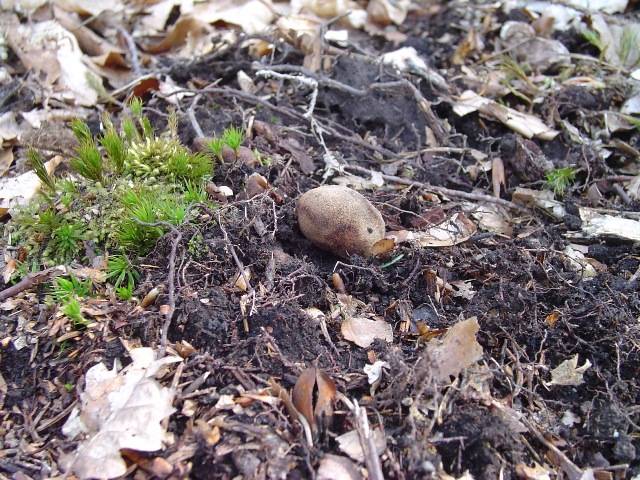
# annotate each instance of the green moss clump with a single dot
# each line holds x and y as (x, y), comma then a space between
(127, 189)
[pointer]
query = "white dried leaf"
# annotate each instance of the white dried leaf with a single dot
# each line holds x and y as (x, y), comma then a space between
(349, 443)
(119, 410)
(456, 229)
(374, 372)
(576, 261)
(252, 16)
(17, 191)
(491, 218)
(363, 331)
(335, 467)
(633, 189)
(49, 48)
(527, 125)
(9, 129)
(457, 350)
(568, 372)
(597, 224)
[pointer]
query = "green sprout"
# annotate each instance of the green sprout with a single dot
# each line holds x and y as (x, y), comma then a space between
(36, 162)
(216, 145)
(64, 289)
(115, 148)
(560, 179)
(233, 138)
(88, 162)
(125, 293)
(135, 105)
(81, 131)
(73, 312)
(120, 271)
(66, 241)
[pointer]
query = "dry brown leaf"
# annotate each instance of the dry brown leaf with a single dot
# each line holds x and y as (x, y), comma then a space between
(552, 318)
(90, 42)
(457, 350)
(335, 467)
(363, 331)
(300, 31)
(382, 247)
(314, 385)
(491, 218)
(185, 27)
(385, 12)
(6, 160)
(537, 472)
(498, 178)
(91, 7)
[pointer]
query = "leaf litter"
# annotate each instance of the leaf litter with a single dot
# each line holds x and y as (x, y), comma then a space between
(457, 115)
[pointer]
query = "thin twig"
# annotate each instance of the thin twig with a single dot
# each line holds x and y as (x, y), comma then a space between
(423, 103)
(133, 51)
(307, 82)
(177, 236)
(365, 434)
(479, 197)
(354, 139)
(31, 280)
(191, 113)
(240, 266)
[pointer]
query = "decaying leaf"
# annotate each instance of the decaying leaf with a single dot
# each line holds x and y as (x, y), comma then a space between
(568, 372)
(490, 217)
(537, 472)
(363, 331)
(457, 350)
(374, 372)
(528, 126)
(252, 16)
(17, 191)
(119, 410)
(349, 443)
(49, 48)
(576, 261)
(9, 129)
(385, 12)
(335, 467)
(596, 224)
(456, 229)
(498, 178)
(313, 396)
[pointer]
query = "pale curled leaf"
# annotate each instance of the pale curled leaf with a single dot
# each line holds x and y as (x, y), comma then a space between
(363, 331)
(335, 467)
(374, 371)
(454, 230)
(119, 410)
(568, 372)
(457, 350)
(17, 191)
(49, 48)
(350, 444)
(527, 125)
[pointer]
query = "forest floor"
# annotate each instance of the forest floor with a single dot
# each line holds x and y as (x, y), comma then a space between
(526, 194)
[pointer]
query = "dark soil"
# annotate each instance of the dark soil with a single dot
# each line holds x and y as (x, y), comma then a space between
(519, 282)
